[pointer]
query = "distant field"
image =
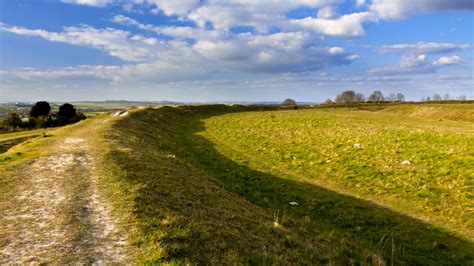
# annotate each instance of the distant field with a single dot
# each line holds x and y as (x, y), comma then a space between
(85, 107)
(214, 184)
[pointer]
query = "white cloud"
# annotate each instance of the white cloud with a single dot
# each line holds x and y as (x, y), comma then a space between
(395, 9)
(422, 48)
(97, 3)
(413, 61)
(210, 52)
(118, 43)
(413, 65)
(448, 61)
(336, 50)
(327, 12)
(175, 7)
(360, 3)
(263, 15)
(180, 32)
(351, 25)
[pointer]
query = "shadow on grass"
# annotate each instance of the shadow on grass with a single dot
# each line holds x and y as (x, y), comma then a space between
(189, 195)
(5, 145)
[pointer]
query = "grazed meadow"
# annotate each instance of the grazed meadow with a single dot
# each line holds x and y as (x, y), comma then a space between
(212, 184)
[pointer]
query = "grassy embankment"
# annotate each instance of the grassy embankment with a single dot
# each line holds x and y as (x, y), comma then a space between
(213, 184)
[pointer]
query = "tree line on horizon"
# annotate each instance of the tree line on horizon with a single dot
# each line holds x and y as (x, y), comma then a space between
(350, 96)
(445, 97)
(40, 116)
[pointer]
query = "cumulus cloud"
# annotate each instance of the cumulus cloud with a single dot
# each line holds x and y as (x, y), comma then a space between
(179, 32)
(327, 12)
(118, 43)
(412, 65)
(351, 25)
(173, 7)
(263, 15)
(448, 61)
(210, 51)
(395, 9)
(422, 48)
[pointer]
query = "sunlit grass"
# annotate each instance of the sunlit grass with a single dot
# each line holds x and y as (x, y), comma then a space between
(420, 166)
(213, 184)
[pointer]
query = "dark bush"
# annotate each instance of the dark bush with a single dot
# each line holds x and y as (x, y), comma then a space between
(40, 109)
(289, 103)
(67, 111)
(78, 117)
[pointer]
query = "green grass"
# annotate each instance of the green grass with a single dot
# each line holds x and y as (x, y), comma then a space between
(207, 184)
(360, 153)
(448, 111)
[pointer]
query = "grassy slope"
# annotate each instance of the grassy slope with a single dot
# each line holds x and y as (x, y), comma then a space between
(194, 191)
(318, 146)
(455, 112)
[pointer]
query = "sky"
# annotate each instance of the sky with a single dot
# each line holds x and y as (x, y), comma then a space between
(234, 50)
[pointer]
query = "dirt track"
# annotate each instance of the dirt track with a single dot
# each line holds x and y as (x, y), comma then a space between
(58, 214)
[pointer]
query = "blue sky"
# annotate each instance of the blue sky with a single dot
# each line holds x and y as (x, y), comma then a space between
(234, 50)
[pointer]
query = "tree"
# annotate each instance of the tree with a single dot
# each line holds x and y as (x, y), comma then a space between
(359, 98)
(328, 101)
(67, 111)
(376, 97)
(436, 97)
(392, 97)
(446, 97)
(399, 97)
(13, 120)
(40, 109)
(346, 97)
(289, 103)
(462, 97)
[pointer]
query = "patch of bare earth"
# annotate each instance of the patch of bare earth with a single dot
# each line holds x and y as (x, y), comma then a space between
(58, 215)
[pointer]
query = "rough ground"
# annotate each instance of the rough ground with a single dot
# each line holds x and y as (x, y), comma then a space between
(57, 214)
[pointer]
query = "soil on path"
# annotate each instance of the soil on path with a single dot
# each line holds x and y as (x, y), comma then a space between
(57, 213)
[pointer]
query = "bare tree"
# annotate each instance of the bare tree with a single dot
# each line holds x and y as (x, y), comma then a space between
(446, 97)
(462, 97)
(391, 97)
(346, 97)
(328, 101)
(399, 97)
(437, 97)
(376, 97)
(359, 98)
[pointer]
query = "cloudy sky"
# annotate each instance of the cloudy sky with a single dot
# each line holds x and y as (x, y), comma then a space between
(234, 50)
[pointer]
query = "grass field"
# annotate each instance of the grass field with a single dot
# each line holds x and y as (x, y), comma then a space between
(362, 153)
(213, 184)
